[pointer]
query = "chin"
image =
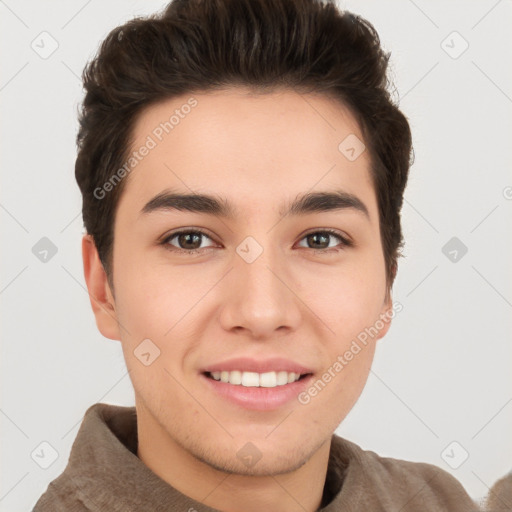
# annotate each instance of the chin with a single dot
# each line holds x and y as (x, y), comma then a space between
(268, 465)
(258, 458)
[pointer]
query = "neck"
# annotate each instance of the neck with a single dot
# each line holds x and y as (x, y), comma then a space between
(299, 490)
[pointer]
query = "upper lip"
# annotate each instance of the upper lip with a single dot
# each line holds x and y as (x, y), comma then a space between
(247, 364)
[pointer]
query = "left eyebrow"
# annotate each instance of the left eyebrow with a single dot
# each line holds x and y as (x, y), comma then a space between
(312, 202)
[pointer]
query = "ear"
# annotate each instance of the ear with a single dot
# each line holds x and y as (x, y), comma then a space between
(386, 315)
(100, 295)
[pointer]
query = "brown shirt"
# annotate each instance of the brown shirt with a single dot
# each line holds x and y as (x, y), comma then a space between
(104, 474)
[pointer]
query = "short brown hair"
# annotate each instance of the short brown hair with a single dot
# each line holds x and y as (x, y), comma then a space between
(193, 46)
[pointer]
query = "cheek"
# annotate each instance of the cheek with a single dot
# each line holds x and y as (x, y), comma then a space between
(161, 306)
(142, 304)
(347, 300)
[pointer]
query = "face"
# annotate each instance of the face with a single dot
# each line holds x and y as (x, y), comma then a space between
(236, 287)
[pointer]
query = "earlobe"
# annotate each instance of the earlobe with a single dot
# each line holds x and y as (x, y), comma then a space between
(100, 295)
(386, 315)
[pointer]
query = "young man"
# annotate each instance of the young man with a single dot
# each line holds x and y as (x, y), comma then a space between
(242, 170)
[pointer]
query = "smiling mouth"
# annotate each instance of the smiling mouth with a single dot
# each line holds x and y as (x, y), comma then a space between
(254, 379)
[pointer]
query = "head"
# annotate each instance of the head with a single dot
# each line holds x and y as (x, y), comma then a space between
(254, 103)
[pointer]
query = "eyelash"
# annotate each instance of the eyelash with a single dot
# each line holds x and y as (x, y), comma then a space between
(344, 241)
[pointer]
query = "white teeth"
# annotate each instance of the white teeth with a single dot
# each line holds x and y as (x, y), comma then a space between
(282, 378)
(268, 380)
(250, 379)
(235, 377)
(253, 379)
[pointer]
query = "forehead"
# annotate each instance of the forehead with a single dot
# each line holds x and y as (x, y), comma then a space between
(254, 148)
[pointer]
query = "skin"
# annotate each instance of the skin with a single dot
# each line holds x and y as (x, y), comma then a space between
(258, 151)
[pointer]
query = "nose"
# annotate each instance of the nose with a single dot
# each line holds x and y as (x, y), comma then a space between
(260, 298)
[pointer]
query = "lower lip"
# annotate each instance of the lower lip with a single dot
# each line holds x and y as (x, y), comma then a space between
(257, 398)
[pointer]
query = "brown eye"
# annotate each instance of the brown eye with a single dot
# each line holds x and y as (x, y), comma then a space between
(188, 241)
(321, 240)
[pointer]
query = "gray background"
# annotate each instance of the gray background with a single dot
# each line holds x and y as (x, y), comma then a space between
(442, 374)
